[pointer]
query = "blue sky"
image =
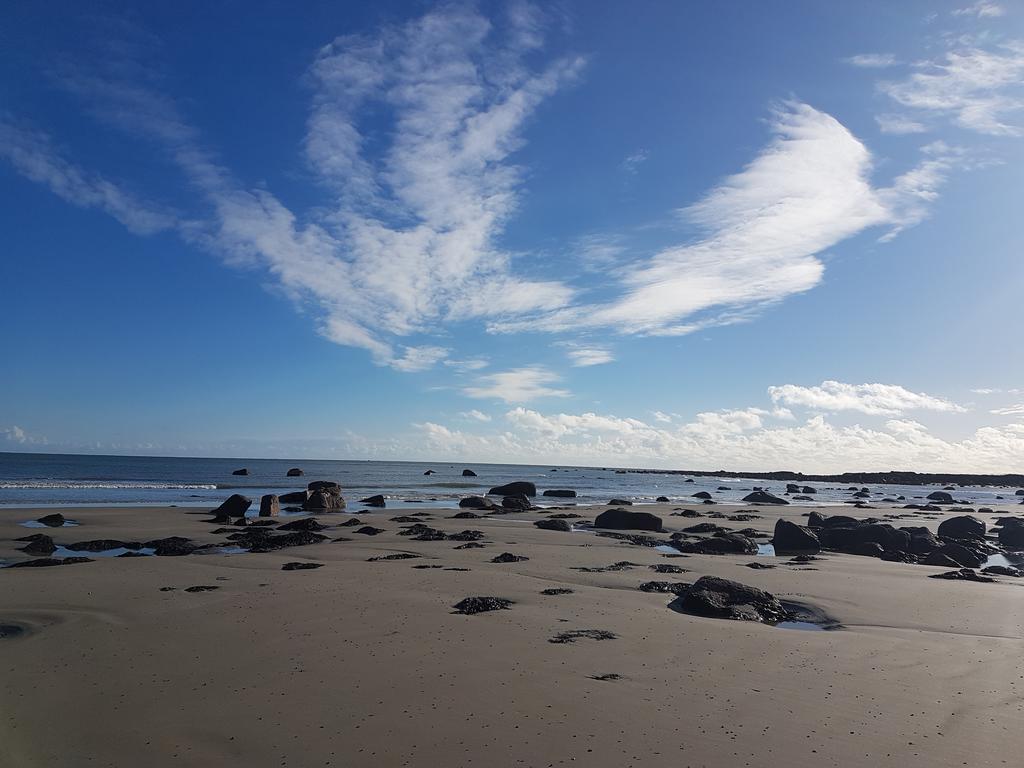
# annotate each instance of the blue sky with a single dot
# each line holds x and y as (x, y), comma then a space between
(703, 235)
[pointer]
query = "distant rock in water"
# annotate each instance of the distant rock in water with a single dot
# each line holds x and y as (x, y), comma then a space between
(431, 472)
(662, 499)
(622, 519)
(295, 472)
(561, 493)
(620, 503)
(940, 496)
(702, 495)
(374, 501)
(270, 506)
(520, 487)
(468, 473)
(242, 471)
(763, 497)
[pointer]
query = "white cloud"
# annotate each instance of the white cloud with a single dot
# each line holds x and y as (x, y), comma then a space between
(33, 156)
(472, 364)
(873, 60)
(17, 435)
(875, 399)
(583, 356)
(662, 417)
(977, 87)
(1012, 410)
(517, 386)
(981, 9)
(996, 391)
(634, 160)
(899, 124)
(475, 415)
(807, 191)
(419, 358)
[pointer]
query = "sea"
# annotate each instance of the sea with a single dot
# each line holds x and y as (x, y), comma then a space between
(59, 480)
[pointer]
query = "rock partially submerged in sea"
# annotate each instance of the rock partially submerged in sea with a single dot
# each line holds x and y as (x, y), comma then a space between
(763, 497)
(473, 605)
(562, 493)
(623, 519)
(242, 471)
(235, 505)
(270, 505)
(940, 497)
(324, 495)
(295, 472)
(374, 501)
(468, 473)
(476, 502)
(520, 487)
(724, 599)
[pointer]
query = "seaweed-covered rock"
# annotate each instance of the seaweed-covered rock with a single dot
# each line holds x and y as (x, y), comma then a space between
(102, 545)
(962, 527)
(301, 566)
(1003, 570)
(725, 599)
(556, 591)
(763, 497)
(520, 487)
(303, 524)
(508, 557)
(622, 519)
(466, 536)
(45, 562)
(466, 516)
(580, 634)
(553, 525)
(790, 537)
(369, 530)
(39, 544)
(172, 546)
(964, 574)
(671, 587)
(726, 544)
(473, 605)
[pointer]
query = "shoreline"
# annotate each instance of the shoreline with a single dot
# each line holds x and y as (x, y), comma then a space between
(361, 663)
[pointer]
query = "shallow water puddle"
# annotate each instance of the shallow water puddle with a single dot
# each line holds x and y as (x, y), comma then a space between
(804, 625)
(62, 552)
(37, 524)
(1008, 560)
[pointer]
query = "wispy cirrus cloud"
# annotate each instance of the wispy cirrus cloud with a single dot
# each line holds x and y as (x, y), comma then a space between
(520, 385)
(873, 399)
(981, 9)
(808, 190)
(873, 60)
(899, 124)
(1010, 410)
(979, 88)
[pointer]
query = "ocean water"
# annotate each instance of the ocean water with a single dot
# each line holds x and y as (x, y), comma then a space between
(32, 479)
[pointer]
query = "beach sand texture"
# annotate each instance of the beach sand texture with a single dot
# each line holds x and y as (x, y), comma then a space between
(361, 663)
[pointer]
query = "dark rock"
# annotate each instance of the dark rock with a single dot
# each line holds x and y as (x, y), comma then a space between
(295, 497)
(240, 472)
(172, 546)
(295, 472)
(262, 540)
(476, 502)
(1011, 533)
(556, 591)
(666, 568)
(759, 566)
(620, 503)
(553, 525)
(940, 496)
(39, 544)
(471, 545)
(429, 472)
(303, 524)
(468, 473)
(702, 495)
(706, 528)
(622, 519)
(301, 566)
(520, 487)
(938, 558)
(565, 516)
(201, 588)
(369, 530)
(374, 501)
(725, 599)
(102, 545)
(55, 520)
(560, 493)
(763, 497)
(270, 505)
(397, 556)
(662, 499)
(807, 489)
(508, 557)
(404, 519)
(963, 527)
(324, 495)
(472, 605)
(45, 562)
(964, 574)
(964, 557)
(790, 537)
(466, 516)
(235, 505)
(672, 587)
(519, 502)
(815, 520)
(897, 556)
(1003, 570)
(726, 544)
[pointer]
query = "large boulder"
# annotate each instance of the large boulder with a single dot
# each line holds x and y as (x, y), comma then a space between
(56, 520)
(39, 544)
(763, 497)
(270, 506)
(725, 599)
(553, 525)
(476, 502)
(514, 489)
(623, 519)
(324, 496)
(702, 495)
(374, 501)
(295, 472)
(518, 502)
(562, 493)
(236, 505)
(938, 558)
(294, 497)
(790, 537)
(850, 539)
(940, 496)
(815, 520)
(1011, 533)
(962, 527)
(922, 540)
(966, 558)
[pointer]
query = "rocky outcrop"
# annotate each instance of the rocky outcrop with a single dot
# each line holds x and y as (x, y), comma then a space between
(763, 497)
(295, 472)
(468, 473)
(374, 501)
(725, 599)
(962, 527)
(294, 497)
(325, 496)
(476, 502)
(1011, 533)
(234, 506)
(622, 519)
(38, 544)
(562, 493)
(790, 537)
(553, 525)
(242, 471)
(473, 605)
(518, 488)
(724, 544)
(270, 505)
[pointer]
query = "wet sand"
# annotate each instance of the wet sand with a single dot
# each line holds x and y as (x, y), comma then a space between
(364, 663)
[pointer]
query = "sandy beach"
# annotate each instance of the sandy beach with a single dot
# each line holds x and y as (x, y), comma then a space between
(361, 663)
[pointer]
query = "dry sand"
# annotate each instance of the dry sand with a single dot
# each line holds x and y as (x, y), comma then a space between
(364, 663)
